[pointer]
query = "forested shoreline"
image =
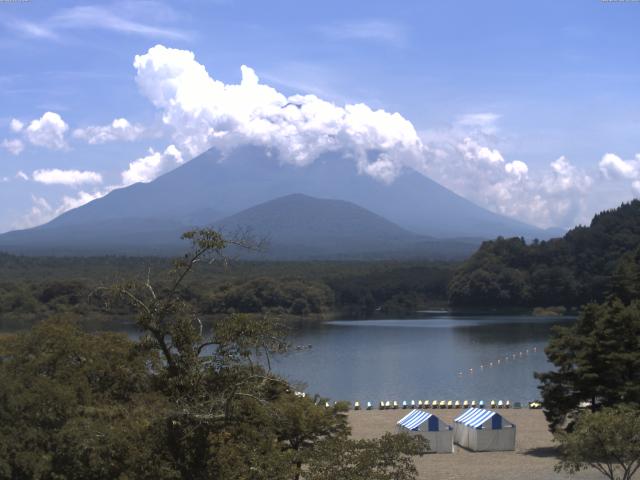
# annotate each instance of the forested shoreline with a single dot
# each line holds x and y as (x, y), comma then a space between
(33, 288)
(588, 264)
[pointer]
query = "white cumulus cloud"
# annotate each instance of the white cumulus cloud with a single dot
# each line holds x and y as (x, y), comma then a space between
(120, 129)
(201, 112)
(66, 177)
(614, 167)
(13, 146)
(468, 161)
(472, 150)
(144, 169)
(517, 168)
(42, 211)
(47, 131)
(566, 177)
(16, 125)
(204, 112)
(147, 168)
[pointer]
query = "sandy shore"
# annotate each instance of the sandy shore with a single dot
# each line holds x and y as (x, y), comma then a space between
(534, 457)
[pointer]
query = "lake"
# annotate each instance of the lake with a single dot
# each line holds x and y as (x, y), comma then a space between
(436, 357)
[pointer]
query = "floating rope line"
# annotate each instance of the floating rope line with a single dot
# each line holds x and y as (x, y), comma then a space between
(499, 361)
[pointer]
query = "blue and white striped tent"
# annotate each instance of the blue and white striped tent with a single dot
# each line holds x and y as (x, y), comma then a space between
(484, 430)
(420, 422)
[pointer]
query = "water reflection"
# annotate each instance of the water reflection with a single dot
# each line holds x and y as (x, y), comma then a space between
(441, 357)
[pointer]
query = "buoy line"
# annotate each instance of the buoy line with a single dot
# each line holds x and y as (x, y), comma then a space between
(504, 360)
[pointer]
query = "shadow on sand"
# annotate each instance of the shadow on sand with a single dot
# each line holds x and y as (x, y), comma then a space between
(542, 452)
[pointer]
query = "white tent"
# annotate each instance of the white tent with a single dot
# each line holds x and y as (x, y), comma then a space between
(439, 434)
(483, 430)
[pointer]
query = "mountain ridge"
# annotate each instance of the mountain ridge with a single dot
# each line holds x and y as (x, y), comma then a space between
(212, 187)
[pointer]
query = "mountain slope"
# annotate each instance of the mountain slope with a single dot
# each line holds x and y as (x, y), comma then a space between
(209, 188)
(130, 236)
(299, 226)
(332, 225)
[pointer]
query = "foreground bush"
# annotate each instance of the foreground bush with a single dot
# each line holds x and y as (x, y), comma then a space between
(608, 441)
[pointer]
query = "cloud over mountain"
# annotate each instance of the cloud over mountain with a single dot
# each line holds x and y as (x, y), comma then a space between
(198, 111)
(42, 211)
(205, 112)
(147, 168)
(202, 112)
(468, 159)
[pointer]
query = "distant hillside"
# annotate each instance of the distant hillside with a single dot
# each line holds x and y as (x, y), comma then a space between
(582, 266)
(294, 226)
(121, 236)
(299, 226)
(147, 218)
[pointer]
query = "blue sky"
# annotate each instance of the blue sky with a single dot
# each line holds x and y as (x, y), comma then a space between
(531, 109)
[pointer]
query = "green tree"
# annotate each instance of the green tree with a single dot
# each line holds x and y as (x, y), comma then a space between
(300, 424)
(573, 270)
(77, 405)
(597, 361)
(385, 458)
(625, 281)
(182, 402)
(215, 387)
(608, 441)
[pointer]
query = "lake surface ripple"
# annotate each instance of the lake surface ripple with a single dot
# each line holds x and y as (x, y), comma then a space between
(434, 358)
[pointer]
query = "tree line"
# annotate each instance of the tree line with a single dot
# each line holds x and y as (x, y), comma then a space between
(592, 396)
(36, 287)
(583, 266)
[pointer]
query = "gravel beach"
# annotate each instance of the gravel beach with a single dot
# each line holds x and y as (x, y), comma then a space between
(534, 457)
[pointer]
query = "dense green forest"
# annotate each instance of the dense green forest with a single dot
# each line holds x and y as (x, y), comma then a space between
(177, 403)
(32, 288)
(586, 265)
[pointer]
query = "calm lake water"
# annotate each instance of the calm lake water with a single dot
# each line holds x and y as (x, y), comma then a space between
(437, 357)
(429, 358)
